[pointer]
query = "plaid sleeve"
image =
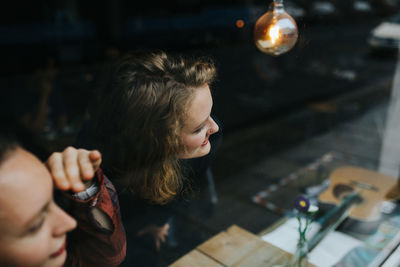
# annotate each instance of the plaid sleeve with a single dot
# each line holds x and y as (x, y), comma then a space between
(93, 244)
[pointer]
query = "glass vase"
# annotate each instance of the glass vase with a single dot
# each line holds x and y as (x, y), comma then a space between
(300, 257)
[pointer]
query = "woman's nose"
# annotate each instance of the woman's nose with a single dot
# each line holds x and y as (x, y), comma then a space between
(214, 127)
(63, 223)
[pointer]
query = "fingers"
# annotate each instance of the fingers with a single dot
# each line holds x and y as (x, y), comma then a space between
(162, 236)
(71, 167)
(89, 163)
(56, 168)
(159, 233)
(166, 227)
(95, 157)
(85, 164)
(158, 245)
(164, 232)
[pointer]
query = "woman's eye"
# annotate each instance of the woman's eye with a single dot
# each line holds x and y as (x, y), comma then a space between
(198, 130)
(37, 226)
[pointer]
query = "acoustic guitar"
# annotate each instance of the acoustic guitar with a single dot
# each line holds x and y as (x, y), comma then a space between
(357, 194)
(372, 187)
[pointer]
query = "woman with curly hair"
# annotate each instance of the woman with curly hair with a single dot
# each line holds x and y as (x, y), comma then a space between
(154, 111)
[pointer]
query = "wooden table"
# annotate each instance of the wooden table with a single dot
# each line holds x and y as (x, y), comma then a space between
(234, 247)
(240, 248)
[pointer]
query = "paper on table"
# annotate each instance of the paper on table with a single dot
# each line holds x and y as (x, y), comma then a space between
(333, 248)
(329, 251)
(286, 236)
(394, 259)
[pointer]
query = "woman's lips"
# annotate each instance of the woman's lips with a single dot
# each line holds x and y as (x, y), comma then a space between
(205, 142)
(60, 251)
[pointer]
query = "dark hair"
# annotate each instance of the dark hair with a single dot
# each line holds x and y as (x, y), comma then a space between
(139, 117)
(7, 145)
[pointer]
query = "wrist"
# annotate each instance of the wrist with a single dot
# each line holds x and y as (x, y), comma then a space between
(91, 190)
(88, 184)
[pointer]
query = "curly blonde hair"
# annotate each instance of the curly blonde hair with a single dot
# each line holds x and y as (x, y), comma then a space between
(139, 117)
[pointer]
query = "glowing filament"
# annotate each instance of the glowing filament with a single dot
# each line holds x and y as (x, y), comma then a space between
(273, 33)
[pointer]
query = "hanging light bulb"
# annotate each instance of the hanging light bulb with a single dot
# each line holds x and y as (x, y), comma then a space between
(275, 32)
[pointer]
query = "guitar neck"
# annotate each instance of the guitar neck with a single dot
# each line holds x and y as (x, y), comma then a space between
(333, 218)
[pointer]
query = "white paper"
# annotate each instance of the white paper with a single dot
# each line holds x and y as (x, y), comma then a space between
(394, 259)
(329, 251)
(332, 249)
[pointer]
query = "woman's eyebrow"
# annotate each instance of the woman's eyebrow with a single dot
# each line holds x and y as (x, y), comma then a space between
(203, 123)
(37, 214)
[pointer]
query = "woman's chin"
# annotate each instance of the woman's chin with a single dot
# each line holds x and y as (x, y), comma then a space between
(203, 151)
(59, 260)
(199, 152)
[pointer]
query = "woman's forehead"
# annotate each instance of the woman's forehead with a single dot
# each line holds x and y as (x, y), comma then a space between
(26, 185)
(199, 107)
(23, 167)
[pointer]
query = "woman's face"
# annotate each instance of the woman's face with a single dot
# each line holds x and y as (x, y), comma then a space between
(198, 125)
(32, 227)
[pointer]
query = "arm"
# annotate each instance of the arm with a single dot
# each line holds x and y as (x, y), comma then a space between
(99, 239)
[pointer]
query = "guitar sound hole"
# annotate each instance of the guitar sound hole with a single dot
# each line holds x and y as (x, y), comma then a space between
(342, 190)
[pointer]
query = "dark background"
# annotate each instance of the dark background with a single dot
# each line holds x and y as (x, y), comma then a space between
(331, 58)
(254, 92)
(82, 35)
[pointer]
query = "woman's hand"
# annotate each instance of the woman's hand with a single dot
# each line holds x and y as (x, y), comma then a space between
(158, 233)
(73, 169)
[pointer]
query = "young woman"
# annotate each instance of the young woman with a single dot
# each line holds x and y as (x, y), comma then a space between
(154, 111)
(33, 228)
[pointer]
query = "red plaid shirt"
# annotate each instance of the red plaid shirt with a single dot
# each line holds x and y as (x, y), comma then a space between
(91, 244)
